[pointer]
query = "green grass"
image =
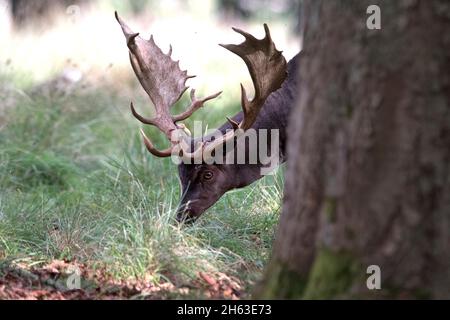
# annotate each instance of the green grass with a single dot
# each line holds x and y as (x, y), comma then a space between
(77, 183)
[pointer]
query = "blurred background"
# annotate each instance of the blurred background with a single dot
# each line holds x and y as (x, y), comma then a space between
(43, 39)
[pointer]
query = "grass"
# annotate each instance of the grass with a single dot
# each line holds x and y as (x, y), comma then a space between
(76, 183)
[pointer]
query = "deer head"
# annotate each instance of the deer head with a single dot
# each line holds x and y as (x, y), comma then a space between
(164, 82)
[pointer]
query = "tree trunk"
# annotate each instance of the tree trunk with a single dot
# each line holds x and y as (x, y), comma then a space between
(368, 176)
(27, 12)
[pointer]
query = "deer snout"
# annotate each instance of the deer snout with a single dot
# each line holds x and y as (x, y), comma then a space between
(186, 218)
(186, 214)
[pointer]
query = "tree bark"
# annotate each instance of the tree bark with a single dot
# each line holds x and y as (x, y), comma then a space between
(27, 12)
(368, 175)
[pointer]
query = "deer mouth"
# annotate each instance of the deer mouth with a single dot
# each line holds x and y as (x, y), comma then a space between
(187, 214)
(186, 217)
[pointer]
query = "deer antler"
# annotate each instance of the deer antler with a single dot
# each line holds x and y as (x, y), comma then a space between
(164, 82)
(268, 70)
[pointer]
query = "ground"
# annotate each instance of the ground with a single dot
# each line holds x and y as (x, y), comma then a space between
(53, 281)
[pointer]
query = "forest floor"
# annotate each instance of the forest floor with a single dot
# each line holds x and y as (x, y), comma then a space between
(62, 280)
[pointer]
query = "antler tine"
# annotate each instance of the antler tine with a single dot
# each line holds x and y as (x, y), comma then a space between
(197, 153)
(158, 153)
(195, 105)
(139, 117)
(246, 35)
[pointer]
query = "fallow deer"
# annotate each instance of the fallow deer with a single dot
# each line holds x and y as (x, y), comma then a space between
(204, 181)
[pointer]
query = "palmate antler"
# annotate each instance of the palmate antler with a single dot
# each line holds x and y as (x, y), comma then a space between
(268, 70)
(164, 82)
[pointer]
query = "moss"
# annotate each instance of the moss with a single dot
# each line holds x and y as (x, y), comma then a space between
(330, 209)
(349, 111)
(280, 283)
(390, 292)
(422, 294)
(332, 275)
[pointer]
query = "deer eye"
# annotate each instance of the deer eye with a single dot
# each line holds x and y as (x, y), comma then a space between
(207, 175)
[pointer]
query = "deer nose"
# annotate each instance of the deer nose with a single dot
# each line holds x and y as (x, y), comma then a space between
(185, 217)
(185, 214)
